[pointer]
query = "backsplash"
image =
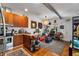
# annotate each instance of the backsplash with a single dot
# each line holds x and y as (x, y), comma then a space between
(29, 30)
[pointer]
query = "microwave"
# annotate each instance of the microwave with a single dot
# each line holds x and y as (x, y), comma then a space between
(9, 31)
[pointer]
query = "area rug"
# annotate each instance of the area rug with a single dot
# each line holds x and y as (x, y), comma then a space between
(54, 46)
(18, 52)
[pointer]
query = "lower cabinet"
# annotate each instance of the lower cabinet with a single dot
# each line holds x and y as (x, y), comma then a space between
(1, 41)
(27, 41)
(17, 40)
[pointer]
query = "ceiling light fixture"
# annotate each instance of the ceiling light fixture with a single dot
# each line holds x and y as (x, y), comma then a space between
(45, 21)
(26, 9)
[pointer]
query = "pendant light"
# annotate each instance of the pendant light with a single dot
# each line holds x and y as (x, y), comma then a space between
(45, 21)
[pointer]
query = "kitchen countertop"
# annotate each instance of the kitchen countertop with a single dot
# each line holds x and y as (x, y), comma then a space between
(23, 34)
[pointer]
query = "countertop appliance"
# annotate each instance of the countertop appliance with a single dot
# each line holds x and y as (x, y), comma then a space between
(9, 31)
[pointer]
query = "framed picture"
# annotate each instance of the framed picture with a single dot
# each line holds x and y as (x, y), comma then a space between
(61, 26)
(33, 24)
(55, 21)
(39, 25)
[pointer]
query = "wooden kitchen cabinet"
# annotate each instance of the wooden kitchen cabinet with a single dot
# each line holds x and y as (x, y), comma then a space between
(16, 20)
(1, 41)
(20, 21)
(25, 21)
(17, 40)
(27, 41)
(22, 39)
(8, 18)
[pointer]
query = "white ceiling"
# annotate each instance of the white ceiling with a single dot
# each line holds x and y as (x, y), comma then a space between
(39, 10)
(36, 9)
(67, 9)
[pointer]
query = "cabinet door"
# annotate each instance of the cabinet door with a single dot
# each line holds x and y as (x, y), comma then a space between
(27, 41)
(8, 18)
(20, 21)
(1, 41)
(23, 21)
(17, 40)
(16, 20)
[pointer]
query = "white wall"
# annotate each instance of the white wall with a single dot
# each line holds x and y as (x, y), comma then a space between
(67, 31)
(32, 18)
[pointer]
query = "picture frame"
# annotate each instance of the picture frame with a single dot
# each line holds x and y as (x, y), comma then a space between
(39, 25)
(33, 24)
(55, 21)
(61, 26)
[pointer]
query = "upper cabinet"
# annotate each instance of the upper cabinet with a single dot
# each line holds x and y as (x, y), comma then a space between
(16, 20)
(23, 21)
(20, 21)
(8, 18)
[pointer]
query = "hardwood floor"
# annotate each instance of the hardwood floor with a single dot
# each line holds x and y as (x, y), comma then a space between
(41, 52)
(75, 52)
(65, 50)
(45, 51)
